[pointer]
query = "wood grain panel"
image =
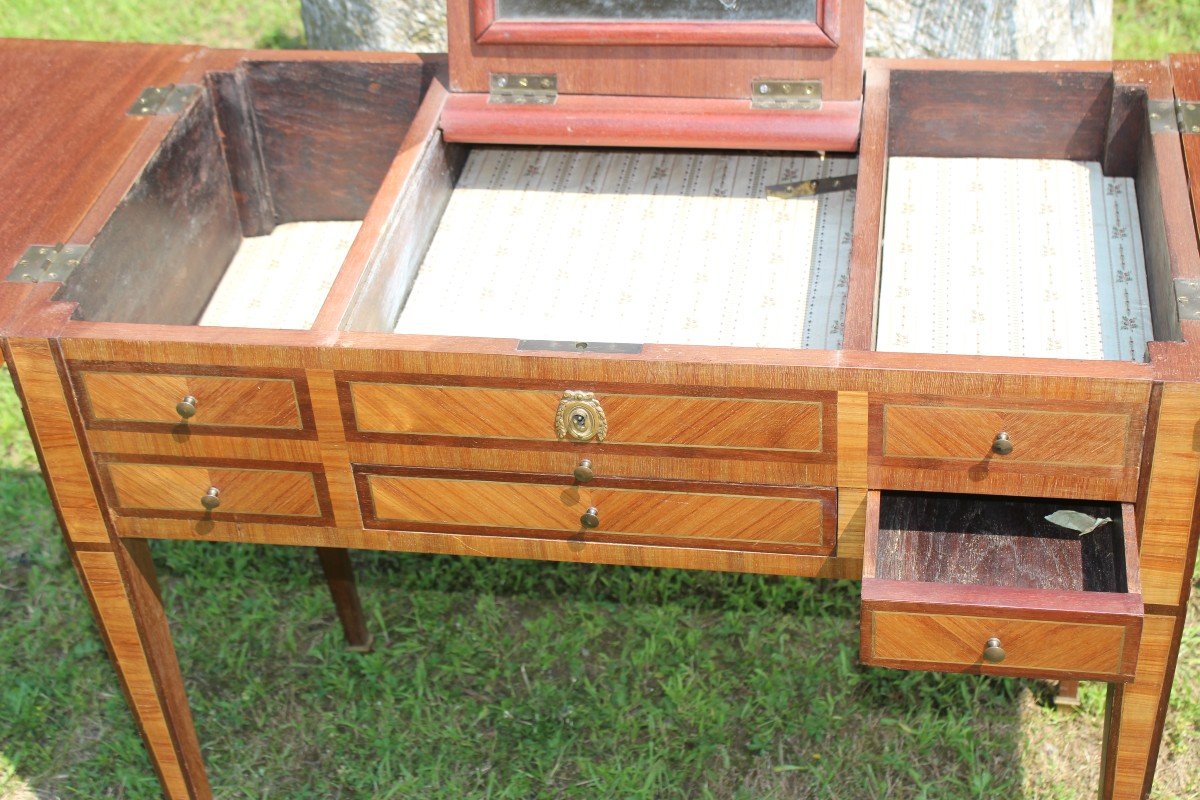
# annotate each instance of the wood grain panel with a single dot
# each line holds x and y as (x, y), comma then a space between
(852, 522)
(637, 419)
(852, 438)
(607, 460)
(166, 487)
(183, 445)
(952, 643)
(494, 504)
(334, 455)
(115, 615)
(966, 434)
(225, 401)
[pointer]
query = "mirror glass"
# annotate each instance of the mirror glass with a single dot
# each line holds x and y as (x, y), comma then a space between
(658, 10)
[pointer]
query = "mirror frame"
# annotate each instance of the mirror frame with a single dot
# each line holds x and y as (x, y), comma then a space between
(823, 32)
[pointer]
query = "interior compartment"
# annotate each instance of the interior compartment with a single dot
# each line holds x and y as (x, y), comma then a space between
(1021, 218)
(994, 541)
(253, 197)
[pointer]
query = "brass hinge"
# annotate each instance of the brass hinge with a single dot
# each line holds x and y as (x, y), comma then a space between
(1174, 116)
(578, 347)
(1187, 299)
(169, 99)
(44, 263)
(785, 95)
(522, 89)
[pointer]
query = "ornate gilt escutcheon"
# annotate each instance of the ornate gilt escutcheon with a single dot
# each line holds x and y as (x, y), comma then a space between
(580, 417)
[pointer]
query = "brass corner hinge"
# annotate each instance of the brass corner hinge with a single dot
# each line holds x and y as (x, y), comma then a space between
(522, 89)
(1187, 298)
(1174, 116)
(44, 263)
(783, 95)
(158, 100)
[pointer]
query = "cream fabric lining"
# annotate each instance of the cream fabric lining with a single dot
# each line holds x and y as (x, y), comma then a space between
(281, 280)
(618, 246)
(1013, 257)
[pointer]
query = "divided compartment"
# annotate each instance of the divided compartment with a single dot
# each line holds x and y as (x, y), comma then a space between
(964, 583)
(263, 179)
(971, 260)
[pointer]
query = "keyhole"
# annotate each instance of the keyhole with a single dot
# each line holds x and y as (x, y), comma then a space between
(579, 420)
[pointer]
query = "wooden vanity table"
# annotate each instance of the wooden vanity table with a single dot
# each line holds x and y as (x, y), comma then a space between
(702, 294)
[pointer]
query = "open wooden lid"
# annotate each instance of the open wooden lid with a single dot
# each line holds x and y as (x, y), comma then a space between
(708, 73)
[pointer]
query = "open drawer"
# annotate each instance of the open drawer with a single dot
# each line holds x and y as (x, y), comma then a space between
(964, 583)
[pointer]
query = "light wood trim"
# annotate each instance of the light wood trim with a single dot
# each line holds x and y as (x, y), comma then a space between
(334, 456)
(225, 401)
(167, 731)
(49, 414)
(1168, 511)
(183, 445)
(852, 522)
(852, 436)
(164, 487)
(955, 643)
(632, 418)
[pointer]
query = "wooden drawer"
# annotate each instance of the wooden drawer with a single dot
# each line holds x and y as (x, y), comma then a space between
(127, 397)
(758, 518)
(764, 439)
(1068, 449)
(945, 575)
(246, 493)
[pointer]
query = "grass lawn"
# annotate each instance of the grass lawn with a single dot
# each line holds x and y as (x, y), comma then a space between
(510, 679)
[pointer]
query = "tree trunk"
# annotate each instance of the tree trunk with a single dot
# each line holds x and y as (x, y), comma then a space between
(1026, 29)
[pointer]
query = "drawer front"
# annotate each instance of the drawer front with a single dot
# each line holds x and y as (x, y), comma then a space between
(954, 643)
(176, 491)
(1083, 450)
(273, 406)
(801, 521)
(793, 425)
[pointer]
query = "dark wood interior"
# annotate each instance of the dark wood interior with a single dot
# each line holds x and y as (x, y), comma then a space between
(266, 143)
(991, 541)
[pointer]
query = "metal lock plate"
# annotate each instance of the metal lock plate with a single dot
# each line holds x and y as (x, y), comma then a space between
(580, 417)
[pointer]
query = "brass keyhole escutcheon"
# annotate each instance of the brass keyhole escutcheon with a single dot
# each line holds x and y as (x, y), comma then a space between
(580, 417)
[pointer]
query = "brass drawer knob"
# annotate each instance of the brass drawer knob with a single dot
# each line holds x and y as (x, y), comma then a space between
(186, 407)
(1002, 444)
(583, 473)
(993, 653)
(211, 499)
(590, 518)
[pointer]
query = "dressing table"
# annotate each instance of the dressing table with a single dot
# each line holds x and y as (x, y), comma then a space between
(708, 293)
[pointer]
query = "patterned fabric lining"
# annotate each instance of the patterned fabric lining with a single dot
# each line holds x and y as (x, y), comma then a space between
(281, 280)
(618, 246)
(1014, 257)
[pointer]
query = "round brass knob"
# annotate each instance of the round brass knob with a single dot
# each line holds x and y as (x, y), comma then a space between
(583, 473)
(590, 518)
(186, 407)
(993, 653)
(211, 499)
(1002, 445)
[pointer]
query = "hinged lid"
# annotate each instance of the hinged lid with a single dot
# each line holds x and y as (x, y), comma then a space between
(665, 67)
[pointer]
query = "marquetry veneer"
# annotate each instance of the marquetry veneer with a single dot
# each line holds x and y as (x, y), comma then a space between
(778, 461)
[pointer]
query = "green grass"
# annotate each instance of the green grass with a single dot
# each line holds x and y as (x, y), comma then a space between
(216, 23)
(510, 679)
(1155, 28)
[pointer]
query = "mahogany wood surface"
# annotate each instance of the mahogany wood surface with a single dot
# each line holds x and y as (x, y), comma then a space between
(997, 542)
(617, 121)
(84, 116)
(659, 70)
